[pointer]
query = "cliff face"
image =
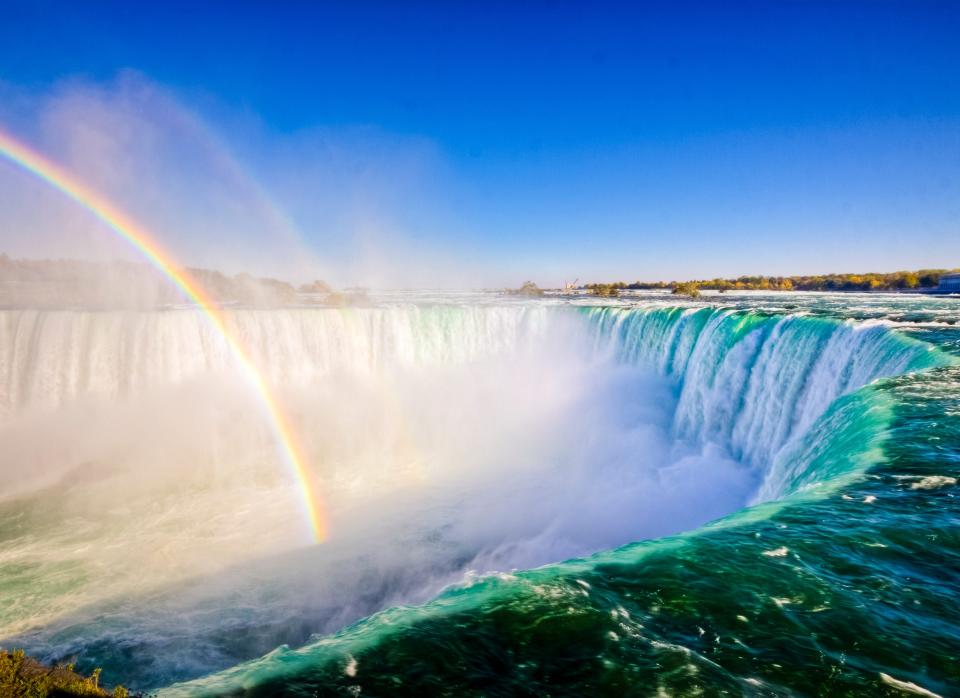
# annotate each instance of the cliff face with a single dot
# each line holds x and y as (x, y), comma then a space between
(66, 283)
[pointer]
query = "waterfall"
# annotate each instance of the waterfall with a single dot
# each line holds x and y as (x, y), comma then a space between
(446, 438)
(751, 381)
(50, 357)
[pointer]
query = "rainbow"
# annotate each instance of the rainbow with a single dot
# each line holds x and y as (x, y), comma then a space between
(146, 245)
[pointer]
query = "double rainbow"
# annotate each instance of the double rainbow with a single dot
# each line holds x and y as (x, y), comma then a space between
(146, 244)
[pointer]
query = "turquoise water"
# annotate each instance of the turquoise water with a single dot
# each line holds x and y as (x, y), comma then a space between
(838, 574)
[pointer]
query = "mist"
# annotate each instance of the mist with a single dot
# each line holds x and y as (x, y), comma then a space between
(447, 442)
(352, 205)
(148, 509)
(153, 525)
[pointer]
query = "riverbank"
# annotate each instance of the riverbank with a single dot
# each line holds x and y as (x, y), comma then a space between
(21, 675)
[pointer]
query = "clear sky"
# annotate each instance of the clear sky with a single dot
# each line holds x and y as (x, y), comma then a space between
(503, 141)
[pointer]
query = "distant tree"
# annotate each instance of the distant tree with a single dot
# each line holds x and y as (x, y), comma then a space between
(650, 285)
(687, 288)
(607, 290)
(316, 286)
(722, 284)
(827, 282)
(527, 289)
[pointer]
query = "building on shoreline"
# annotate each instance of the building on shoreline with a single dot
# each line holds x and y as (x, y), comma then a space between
(949, 283)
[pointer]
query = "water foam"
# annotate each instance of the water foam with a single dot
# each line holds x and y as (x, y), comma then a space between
(453, 439)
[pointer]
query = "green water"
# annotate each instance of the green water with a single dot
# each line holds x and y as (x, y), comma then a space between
(840, 575)
(864, 587)
(847, 584)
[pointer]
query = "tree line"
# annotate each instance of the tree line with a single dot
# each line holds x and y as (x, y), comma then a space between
(892, 281)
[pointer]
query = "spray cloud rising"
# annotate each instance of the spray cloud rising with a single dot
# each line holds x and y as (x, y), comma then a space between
(447, 439)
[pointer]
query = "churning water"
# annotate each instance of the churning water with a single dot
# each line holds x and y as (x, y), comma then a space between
(519, 496)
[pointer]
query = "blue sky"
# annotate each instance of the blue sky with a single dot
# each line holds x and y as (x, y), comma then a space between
(552, 140)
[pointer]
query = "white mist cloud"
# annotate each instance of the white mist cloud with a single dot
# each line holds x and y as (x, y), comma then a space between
(349, 204)
(445, 440)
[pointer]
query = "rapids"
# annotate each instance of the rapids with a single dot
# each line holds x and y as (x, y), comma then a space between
(460, 446)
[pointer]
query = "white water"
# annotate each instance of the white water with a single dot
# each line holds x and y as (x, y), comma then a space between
(756, 384)
(445, 439)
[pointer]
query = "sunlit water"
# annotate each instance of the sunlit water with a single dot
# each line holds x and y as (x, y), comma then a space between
(519, 493)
